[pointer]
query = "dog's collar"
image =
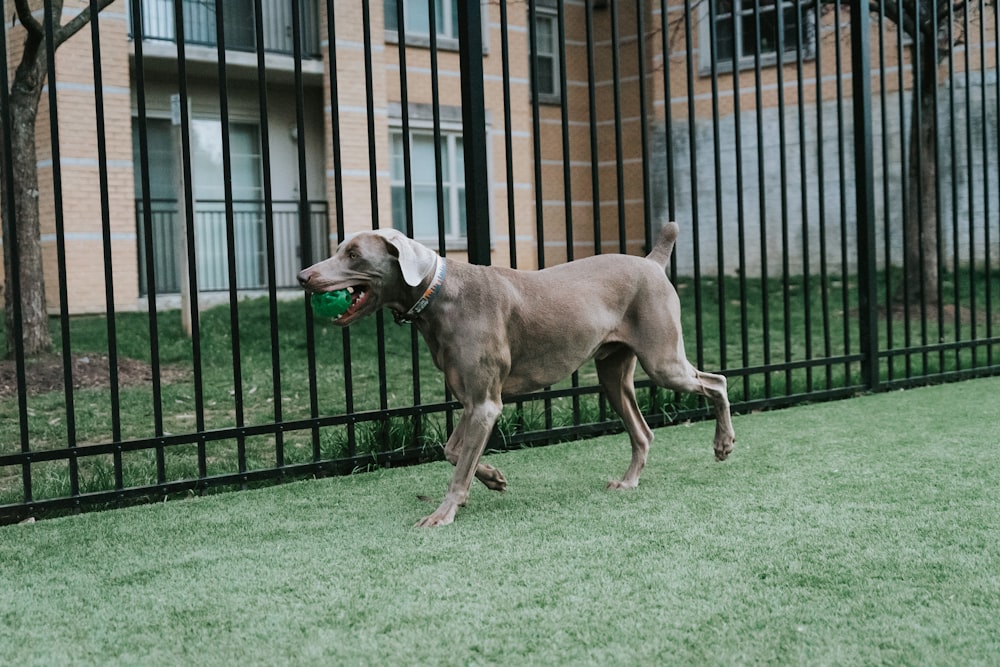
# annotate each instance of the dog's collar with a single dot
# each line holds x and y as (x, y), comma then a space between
(429, 294)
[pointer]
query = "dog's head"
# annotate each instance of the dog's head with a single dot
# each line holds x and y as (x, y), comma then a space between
(379, 268)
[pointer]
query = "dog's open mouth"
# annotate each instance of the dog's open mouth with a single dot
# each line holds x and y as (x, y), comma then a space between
(359, 295)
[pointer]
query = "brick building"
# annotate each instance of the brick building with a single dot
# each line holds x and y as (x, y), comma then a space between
(606, 86)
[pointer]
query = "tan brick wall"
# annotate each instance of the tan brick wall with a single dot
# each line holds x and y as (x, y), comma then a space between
(81, 208)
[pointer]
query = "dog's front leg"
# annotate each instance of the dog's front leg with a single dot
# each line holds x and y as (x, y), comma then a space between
(464, 449)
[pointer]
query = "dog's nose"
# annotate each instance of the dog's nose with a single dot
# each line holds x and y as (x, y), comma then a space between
(305, 275)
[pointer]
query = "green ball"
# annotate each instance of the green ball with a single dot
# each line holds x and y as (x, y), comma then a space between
(331, 304)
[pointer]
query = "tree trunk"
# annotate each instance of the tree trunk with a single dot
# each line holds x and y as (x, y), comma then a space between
(921, 229)
(24, 229)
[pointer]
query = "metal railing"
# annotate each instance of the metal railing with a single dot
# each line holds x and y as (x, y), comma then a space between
(250, 237)
(200, 24)
(796, 265)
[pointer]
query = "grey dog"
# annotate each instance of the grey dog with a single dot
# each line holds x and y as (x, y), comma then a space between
(497, 332)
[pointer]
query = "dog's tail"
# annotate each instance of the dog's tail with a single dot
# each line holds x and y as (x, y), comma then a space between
(664, 244)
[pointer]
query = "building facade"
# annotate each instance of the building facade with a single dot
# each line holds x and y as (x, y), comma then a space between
(624, 117)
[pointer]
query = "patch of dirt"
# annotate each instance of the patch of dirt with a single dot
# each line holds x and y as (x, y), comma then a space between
(948, 311)
(90, 371)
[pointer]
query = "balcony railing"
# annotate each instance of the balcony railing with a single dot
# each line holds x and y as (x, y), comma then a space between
(158, 24)
(250, 233)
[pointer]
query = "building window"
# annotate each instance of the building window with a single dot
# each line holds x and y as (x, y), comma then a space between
(424, 184)
(416, 15)
(546, 60)
(781, 25)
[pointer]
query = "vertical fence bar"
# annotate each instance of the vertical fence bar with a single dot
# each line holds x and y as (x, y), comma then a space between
(987, 236)
(786, 285)
(886, 188)
(765, 290)
(404, 103)
(647, 199)
(904, 189)
(230, 223)
(508, 134)
(189, 222)
(477, 193)
(845, 302)
(383, 391)
(971, 183)
(824, 275)
(269, 241)
(147, 250)
(953, 178)
(931, 43)
(109, 285)
(864, 193)
(439, 168)
(338, 186)
(741, 216)
(536, 135)
(59, 220)
(720, 246)
(567, 168)
(800, 36)
(690, 8)
(595, 157)
(616, 81)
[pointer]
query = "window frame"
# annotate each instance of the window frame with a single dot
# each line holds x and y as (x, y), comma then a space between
(452, 182)
(445, 41)
(549, 12)
(767, 59)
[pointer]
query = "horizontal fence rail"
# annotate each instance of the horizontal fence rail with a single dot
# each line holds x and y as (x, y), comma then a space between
(834, 169)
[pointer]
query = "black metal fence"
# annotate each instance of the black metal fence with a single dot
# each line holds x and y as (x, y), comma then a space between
(839, 200)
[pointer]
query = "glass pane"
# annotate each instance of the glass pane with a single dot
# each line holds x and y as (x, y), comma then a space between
(453, 29)
(396, 168)
(159, 140)
(158, 19)
(422, 158)
(399, 207)
(425, 212)
(546, 35)
(389, 10)
(546, 75)
(417, 20)
(791, 29)
(239, 28)
(725, 38)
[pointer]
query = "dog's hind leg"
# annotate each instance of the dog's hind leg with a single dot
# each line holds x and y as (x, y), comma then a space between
(682, 376)
(615, 373)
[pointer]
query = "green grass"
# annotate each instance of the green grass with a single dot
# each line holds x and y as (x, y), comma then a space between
(847, 533)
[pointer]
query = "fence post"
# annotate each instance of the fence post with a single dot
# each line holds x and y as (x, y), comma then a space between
(864, 192)
(477, 191)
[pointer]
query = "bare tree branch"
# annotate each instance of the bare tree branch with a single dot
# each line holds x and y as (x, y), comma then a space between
(30, 23)
(78, 22)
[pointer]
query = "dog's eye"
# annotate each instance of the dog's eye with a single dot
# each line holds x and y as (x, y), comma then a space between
(352, 254)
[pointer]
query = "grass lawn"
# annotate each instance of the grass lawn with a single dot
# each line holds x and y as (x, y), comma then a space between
(856, 532)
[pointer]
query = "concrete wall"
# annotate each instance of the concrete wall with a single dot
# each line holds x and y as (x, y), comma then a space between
(814, 198)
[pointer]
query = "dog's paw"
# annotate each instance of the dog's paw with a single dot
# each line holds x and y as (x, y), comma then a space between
(622, 484)
(491, 477)
(723, 450)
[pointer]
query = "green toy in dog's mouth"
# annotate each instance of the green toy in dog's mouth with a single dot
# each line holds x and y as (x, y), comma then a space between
(335, 304)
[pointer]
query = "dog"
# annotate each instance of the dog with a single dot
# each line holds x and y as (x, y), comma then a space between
(496, 332)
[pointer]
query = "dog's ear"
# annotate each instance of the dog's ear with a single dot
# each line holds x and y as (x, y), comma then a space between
(415, 259)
